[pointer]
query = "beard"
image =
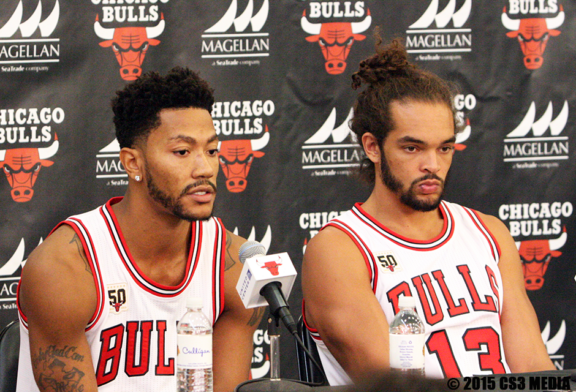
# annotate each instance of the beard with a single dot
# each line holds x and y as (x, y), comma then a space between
(174, 204)
(409, 197)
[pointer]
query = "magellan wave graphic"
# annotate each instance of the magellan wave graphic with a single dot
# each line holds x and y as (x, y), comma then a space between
(33, 23)
(442, 18)
(327, 130)
(540, 126)
(241, 22)
(554, 344)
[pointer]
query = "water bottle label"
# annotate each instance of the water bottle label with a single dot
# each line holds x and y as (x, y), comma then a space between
(406, 351)
(194, 351)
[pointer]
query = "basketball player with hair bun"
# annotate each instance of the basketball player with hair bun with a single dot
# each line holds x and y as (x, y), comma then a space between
(462, 266)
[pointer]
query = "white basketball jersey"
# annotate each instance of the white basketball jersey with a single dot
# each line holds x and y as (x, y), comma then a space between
(132, 334)
(455, 279)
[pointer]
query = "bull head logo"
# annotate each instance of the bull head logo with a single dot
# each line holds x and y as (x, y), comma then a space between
(533, 35)
(236, 157)
(272, 267)
(22, 166)
(535, 256)
(335, 40)
(130, 45)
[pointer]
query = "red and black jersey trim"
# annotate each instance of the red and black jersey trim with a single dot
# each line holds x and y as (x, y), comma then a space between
(141, 280)
(492, 243)
(89, 251)
(313, 332)
(218, 270)
(435, 243)
(369, 258)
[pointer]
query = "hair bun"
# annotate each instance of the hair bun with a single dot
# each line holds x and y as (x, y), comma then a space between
(389, 61)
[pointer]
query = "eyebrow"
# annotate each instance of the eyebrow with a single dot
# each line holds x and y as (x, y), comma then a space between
(191, 140)
(410, 139)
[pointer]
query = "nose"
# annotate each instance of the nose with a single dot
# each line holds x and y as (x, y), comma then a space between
(203, 167)
(431, 162)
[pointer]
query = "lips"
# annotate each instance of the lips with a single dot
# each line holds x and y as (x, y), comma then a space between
(430, 186)
(202, 194)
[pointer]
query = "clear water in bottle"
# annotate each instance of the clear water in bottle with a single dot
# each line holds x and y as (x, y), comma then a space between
(194, 358)
(407, 339)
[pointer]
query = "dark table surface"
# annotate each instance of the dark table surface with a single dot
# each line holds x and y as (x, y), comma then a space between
(533, 381)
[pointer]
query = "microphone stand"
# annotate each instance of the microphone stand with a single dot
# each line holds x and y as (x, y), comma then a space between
(274, 335)
(274, 383)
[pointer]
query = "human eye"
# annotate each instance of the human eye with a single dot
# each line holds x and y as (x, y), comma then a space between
(410, 148)
(447, 149)
(213, 152)
(181, 153)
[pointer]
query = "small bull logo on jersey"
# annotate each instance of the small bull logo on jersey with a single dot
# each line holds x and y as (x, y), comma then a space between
(389, 262)
(118, 298)
(535, 256)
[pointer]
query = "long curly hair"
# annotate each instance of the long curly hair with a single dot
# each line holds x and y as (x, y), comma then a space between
(137, 106)
(389, 77)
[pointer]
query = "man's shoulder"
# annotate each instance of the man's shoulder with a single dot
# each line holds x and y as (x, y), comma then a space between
(494, 225)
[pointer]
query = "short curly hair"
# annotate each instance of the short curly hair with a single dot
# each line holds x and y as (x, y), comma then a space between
(137, 106)
(390, 77)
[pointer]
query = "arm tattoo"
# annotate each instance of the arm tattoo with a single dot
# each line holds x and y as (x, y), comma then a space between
(230, 260)
(54, 374)
(256, 316)
(76, 240)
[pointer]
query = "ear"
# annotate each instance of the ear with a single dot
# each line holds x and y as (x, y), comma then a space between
(371, 147)
(131, 159)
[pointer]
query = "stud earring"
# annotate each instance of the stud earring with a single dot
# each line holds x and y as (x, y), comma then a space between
(137, 178)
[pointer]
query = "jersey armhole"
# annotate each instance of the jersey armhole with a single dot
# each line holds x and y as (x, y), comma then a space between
(91, 256)
(492, 241)
(369, 259)
(94, 268)
(219, 267)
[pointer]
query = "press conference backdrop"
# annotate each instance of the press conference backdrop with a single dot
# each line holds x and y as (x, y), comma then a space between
(281, 73)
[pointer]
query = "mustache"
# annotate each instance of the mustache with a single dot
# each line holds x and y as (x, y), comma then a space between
(429, 176)
(199, 183)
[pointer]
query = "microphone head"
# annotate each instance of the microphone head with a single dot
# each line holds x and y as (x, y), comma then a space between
(250, 249)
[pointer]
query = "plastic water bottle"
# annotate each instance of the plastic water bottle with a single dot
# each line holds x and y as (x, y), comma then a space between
(194, 358)
(407, 339)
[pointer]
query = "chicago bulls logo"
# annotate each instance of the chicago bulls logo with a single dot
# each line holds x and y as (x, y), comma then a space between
(130, 45)
(533, 35)
(22, 166)
(335, 39)
(236, 157)
(535, 256)
(272, 267)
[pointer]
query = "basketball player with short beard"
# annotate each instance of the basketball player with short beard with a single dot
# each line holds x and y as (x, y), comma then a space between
(99, 300)
(462, 266)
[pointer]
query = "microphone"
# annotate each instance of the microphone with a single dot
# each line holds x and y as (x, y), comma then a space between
(266, 280)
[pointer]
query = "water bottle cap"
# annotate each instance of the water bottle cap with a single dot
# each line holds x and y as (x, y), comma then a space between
(407, 302)
(194, 302)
